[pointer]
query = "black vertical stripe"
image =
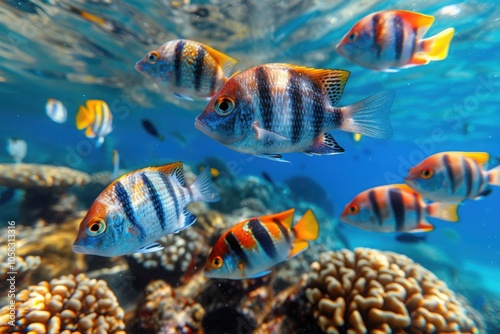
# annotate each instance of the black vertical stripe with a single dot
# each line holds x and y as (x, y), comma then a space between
(198, 68)
(295, 95)
(449, 172)
(418, 208)
(376, 33)
(467, 177)
(261, 235)
(154, 197)
(126, 204)
(283, 231)
(398, 208)
(318, 112)
(398, 36)
(178, 62)
(372, 197)
(171, 191)
(235, 246)
(265, 98)
(480, 179)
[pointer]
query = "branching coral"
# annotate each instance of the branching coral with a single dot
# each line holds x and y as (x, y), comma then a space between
(381, 292)
(66, 305)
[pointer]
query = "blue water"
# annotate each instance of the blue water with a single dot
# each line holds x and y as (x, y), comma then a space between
(46, 50)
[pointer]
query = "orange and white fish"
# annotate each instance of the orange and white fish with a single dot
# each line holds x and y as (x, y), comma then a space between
(96, 118)
(251, 248)
(56, 111)
(187, 68)
(395, 208)
(139, 208)
(453, 176)
(392, 39)
(271, 109)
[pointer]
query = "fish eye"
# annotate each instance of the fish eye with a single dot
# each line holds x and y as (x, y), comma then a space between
(96, 228)
(353, 36)
(153, 57)
(217, 262)
(224, 106)
(353, 209)
(426, 173)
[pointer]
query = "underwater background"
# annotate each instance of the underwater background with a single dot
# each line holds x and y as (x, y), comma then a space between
(74, 51)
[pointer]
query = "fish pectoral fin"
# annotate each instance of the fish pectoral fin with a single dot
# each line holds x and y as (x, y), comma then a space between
(266, 135)
(271, 156)
(298, 247)
(89, 133)
(285, 218)
(260, 274)
(189, 219)
(483, 193)
(154, 247)
(183, 97)
(325, 144)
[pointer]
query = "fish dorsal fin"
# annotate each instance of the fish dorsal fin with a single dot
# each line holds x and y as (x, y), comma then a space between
(298, 247)
(307, 228)
(404, 187)
(84, 118)
(285, 218)
(333, 81)
(419, 22)
(174, 169)
(226, 62)
(481, 158)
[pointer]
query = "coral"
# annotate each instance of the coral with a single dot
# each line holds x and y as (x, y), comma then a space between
(162, 310)
(66, 305)
(381, 292)
(23, 267)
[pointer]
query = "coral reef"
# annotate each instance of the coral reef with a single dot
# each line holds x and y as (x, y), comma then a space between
(68, 304)
(24, 267)
(381, 292)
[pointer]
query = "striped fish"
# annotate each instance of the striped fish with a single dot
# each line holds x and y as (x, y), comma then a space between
(250, 248)
(139, 208)
(454, 176)
(279, 108)
(187, 68)
(97, 120)
(395, 208)
(392, 39)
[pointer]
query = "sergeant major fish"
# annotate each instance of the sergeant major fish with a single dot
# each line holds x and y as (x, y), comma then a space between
(187, 68)
(395, 208)
(97, 120)
(279, 108)
(392, 39)
(250, 248)
(453, 176)
(139, 208)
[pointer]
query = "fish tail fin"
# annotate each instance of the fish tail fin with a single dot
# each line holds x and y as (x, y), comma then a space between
(444, 211)
(83, 118)
(436, 47)
(203, 189)
(307, 228)
(369, 117)
(494, 176)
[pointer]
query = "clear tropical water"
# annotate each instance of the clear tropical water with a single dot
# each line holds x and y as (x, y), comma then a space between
(48, 49)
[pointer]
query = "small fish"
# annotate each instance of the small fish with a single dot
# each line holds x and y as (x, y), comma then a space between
(56, 111)
(251, 248)
(395, 208)
(139, 208)
(96, 118)
(267, 177)
(392, 39)
(187, 68)
(151, 129)
(411, 238)
(280, 108)
(453, 176)
(356, 137)
(214, 172)
(116, 164)
(17, 149)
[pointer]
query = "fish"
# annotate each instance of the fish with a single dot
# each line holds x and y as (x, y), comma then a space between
(56, 111)
(140, 207)
(97, 120)
(389, 40)
(356, 137)
(116, 164)
(453, 177)
(187, 68)
(267, 177)
(395, 208)
(272, 109)
(17, 149)
(251, 248)
(151, 129)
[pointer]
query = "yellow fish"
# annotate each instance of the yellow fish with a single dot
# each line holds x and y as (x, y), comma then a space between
(96, 118)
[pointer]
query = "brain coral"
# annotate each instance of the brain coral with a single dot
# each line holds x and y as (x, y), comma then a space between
(370, 291)
(66, 305)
